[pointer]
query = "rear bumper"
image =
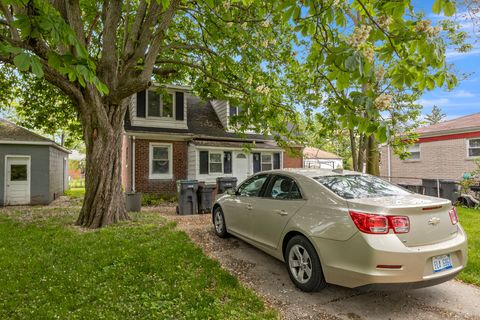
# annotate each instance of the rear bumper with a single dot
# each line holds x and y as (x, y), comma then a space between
(353, 263)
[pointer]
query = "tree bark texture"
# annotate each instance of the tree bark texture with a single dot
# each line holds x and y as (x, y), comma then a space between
(353, 150)
(373, 163)
(104, 201)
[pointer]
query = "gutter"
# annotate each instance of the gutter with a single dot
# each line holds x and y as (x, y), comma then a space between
(36, 143)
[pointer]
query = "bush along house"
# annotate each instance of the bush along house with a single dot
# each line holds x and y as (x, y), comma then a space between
(172, 135)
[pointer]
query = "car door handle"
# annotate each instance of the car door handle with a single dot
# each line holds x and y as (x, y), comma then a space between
(249, 207)
(281, 212)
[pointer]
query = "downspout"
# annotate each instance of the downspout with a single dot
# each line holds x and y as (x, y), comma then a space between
(389, 164)
(133, 163)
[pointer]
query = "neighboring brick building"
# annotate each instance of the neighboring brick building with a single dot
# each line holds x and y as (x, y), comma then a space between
(172, 135)
(445, 151)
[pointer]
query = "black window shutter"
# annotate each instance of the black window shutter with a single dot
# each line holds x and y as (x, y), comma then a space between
(179, 103)
(141, 103)
(227, 162)
(256, 162)
(203, 162)
(276, 160)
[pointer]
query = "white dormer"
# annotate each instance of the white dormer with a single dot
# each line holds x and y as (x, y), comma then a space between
(160, 107)
(221, 108)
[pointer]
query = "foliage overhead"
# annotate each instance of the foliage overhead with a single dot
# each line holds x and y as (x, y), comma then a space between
(269, 57)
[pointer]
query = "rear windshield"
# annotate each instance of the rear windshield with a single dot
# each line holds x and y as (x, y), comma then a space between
(360, 186)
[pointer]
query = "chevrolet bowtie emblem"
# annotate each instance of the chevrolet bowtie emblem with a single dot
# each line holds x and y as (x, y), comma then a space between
(434, 221)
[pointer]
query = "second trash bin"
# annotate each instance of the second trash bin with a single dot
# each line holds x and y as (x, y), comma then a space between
(205, 197)
(224, 183)
(187, 197)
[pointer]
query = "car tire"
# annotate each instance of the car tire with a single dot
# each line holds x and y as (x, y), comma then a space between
(219, 223)
(303, 265)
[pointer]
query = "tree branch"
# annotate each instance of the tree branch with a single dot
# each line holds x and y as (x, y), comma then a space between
(8, 21)
(379, 27)
(108, 62)
(74, 16)
(203, 70)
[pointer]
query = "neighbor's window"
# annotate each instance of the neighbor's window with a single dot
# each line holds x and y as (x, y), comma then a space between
(267, 163)
(360, 186)
(215, 162)
(18, 172)
(160, 161)
(474, 148)
(159, 104)
(414, 152)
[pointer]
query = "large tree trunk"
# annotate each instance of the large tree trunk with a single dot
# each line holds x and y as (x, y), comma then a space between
(104, 201)
(373, 159)
(362, 141)
(353, 150)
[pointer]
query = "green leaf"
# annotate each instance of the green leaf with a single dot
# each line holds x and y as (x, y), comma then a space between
(449, 8)
(437, 6)
(430, 83)
(37, 67)
(22, 61)
(381, 134)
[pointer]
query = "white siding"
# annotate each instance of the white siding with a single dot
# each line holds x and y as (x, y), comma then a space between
(221, 108)
(322, 163)
(192, 162)
(170, 123)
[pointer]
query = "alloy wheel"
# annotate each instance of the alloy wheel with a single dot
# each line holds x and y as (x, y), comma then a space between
(300, 263)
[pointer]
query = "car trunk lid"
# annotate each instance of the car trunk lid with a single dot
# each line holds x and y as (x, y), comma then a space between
(429, 217)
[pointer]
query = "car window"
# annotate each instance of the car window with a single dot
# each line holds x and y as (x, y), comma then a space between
(360, 186)
(252, 187)
(282, 187)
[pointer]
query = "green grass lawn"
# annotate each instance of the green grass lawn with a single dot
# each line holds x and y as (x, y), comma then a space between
(75, 192)
(470, 220)
(142, 269)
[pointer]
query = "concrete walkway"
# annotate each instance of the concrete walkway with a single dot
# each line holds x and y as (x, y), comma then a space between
(269, 278)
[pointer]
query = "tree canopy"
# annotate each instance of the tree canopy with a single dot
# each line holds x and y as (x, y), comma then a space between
(271, 58)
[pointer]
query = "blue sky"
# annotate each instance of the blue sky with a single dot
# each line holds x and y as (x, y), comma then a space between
(464, 99)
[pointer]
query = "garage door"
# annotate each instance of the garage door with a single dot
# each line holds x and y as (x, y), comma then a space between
(17, 180)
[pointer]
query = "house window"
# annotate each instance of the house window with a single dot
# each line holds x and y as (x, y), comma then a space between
(474, 148)
(414, 151)
(159, 104)
(160, 161)
(215, 162)
(267, 163)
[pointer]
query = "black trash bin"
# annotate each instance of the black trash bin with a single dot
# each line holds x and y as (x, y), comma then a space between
(447, 189)
(205, 197)
(133, 201)
(430, 187)
(187, 197)
(224, 183)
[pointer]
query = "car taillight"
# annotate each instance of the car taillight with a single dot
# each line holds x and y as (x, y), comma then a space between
(453, 215)
(399, 224)
(378, 224)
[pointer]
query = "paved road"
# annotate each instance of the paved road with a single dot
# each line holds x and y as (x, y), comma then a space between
(269, 278)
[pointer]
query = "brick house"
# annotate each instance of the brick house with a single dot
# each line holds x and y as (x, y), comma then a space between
(171, 134)
(444, 151)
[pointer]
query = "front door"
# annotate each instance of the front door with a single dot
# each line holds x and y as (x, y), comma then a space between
(17, 180)
(240, 166)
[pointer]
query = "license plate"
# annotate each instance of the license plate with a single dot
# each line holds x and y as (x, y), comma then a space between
(441, 263)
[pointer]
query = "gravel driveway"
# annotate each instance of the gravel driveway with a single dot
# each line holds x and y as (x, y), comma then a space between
(269, 278)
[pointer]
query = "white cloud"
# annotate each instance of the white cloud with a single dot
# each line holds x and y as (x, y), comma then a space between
(461, 94)
(455, 55)
(433, 102)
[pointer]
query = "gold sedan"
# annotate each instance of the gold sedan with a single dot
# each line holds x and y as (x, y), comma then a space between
(345, 228)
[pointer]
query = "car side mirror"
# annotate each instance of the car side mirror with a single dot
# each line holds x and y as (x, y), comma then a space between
(231, 192)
